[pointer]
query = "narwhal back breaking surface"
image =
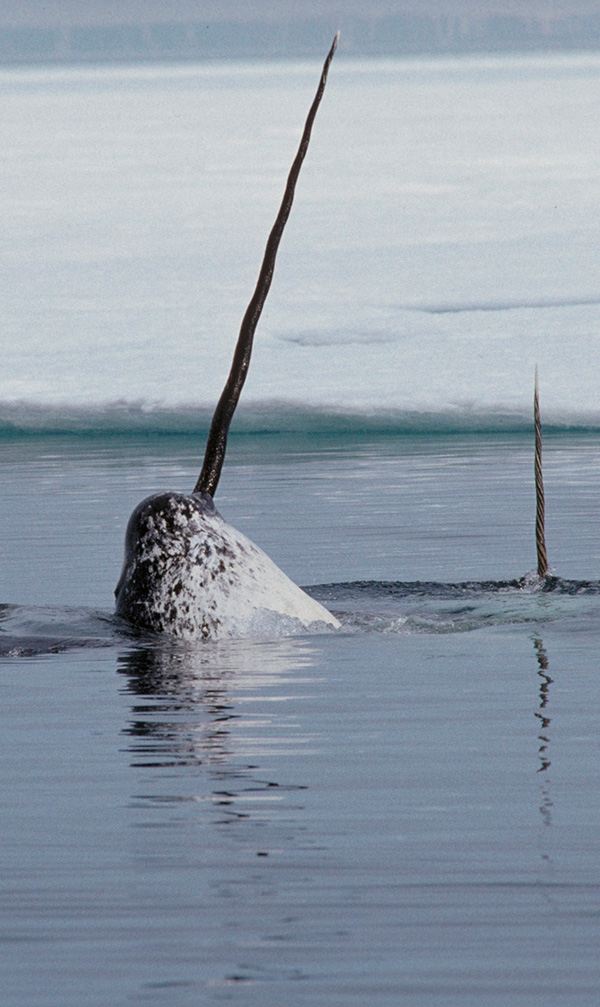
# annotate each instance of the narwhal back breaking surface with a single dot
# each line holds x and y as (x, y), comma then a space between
(190, 573)
(187, 571)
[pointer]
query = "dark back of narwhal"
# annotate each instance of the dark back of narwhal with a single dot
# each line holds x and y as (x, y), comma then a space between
(186, 571)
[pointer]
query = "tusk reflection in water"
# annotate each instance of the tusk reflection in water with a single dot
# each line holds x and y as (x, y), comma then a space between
(544, 728)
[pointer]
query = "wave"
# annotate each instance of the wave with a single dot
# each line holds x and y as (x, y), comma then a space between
(32, 631)
(27, 418)
(440, 608)
(396, 607)
(378, 589)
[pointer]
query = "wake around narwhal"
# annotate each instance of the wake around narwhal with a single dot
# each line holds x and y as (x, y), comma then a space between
(187, 572)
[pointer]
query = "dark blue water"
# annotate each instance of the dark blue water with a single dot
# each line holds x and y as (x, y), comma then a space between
(400, 812)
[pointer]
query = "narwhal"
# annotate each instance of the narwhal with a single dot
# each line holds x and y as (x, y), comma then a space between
(186, 571)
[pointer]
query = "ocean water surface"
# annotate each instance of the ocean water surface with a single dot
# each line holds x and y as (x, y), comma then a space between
(403, 811)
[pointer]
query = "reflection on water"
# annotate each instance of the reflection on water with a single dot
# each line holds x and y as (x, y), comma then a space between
(544, 731)
(181, 717)
(542, 712)
(192, 708)
(306, 821)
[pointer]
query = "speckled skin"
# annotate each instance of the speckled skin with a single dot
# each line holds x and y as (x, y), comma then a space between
(188, 573)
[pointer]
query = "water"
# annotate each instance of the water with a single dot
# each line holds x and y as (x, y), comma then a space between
(400, 812)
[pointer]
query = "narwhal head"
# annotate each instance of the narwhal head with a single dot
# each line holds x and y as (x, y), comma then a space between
(186, 571)
(175, 550)
(189, 573)
(159, 548)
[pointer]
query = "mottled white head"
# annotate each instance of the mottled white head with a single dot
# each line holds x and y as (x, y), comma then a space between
(189, 573)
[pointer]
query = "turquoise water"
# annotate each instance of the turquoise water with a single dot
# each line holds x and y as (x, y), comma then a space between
(399, 812)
